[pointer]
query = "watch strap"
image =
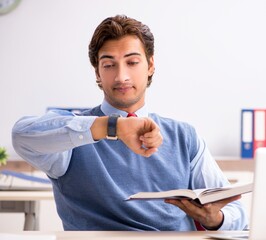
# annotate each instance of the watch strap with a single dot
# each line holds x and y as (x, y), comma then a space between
(111, 127)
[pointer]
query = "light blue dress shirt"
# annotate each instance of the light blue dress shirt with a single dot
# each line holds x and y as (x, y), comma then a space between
(47, 143)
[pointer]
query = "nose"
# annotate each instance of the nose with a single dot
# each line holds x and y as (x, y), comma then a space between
(121, 74)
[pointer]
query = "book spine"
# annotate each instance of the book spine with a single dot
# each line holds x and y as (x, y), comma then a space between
(259, 136)
(247, 133)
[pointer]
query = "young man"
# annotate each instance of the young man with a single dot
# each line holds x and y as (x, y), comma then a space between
(96, 160)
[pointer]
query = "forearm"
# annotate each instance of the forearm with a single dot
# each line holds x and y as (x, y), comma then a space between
(99, 128)
(52, 133)
(46, 142)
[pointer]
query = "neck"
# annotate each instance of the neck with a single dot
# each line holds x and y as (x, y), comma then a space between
(128, 108)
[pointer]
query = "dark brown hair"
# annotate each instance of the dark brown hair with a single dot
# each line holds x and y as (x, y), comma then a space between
(114, 28)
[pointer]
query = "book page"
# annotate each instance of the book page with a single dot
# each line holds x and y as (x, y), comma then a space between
(213, 190)
(225, 192)
(203, 195)
(179, 193)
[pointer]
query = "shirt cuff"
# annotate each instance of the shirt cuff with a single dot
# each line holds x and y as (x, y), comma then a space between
(227, 222)
(80, 133)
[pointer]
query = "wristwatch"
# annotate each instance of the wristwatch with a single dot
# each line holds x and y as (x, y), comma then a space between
(111, 127)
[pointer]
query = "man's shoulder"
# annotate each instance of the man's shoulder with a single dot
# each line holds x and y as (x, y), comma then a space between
(95, 111)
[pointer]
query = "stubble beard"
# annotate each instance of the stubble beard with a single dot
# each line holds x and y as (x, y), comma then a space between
(124, 103)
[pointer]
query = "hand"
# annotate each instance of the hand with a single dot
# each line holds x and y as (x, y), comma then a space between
(141, 135)
(209, 215)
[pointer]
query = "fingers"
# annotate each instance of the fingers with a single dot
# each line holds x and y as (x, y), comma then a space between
(222, 203)
(209, 215)
(185, 205)
(197, 213)
(141, 135)
(152, 138)
(151, 142)
(147, 152)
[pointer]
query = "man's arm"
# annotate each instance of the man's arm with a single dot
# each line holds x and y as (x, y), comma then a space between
(227, 214)
(46, 142)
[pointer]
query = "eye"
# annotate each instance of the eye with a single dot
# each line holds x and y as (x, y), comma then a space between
(133, 63)
(108, 65)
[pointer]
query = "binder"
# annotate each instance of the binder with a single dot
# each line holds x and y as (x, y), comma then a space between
(259, 139)
(247, 133)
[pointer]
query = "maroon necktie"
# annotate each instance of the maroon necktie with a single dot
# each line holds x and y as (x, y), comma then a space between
(198, 226)
(131, 115)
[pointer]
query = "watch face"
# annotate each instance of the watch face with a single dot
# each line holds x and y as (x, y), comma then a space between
(115, 115)
(7, 6)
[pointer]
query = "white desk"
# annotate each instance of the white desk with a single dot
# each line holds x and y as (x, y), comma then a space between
(105, 235)
(26, 202)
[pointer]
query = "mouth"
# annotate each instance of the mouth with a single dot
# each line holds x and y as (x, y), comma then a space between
(123, 89)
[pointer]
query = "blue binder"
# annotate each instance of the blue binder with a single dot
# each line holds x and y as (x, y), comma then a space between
(247, 133)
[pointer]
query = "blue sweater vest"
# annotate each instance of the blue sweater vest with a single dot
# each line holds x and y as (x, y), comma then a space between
(91, 194)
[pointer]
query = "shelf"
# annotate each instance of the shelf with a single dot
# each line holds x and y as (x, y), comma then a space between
(17, 165)
(238, 165)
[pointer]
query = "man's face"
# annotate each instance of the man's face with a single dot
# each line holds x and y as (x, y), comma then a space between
(123, 72)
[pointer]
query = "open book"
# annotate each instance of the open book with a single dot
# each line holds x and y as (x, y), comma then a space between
(198, 196)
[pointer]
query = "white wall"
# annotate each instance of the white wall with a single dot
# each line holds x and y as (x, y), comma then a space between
(210, 61)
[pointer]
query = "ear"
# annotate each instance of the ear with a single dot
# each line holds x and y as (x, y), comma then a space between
(97, 74)
(98, 80)
(151, 66)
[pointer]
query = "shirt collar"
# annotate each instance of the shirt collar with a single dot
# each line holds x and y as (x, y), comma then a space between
(108, 109)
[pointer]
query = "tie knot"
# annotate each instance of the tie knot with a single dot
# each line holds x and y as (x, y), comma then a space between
(131, 115)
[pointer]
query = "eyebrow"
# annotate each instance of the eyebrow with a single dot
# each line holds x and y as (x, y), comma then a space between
(127, 55)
